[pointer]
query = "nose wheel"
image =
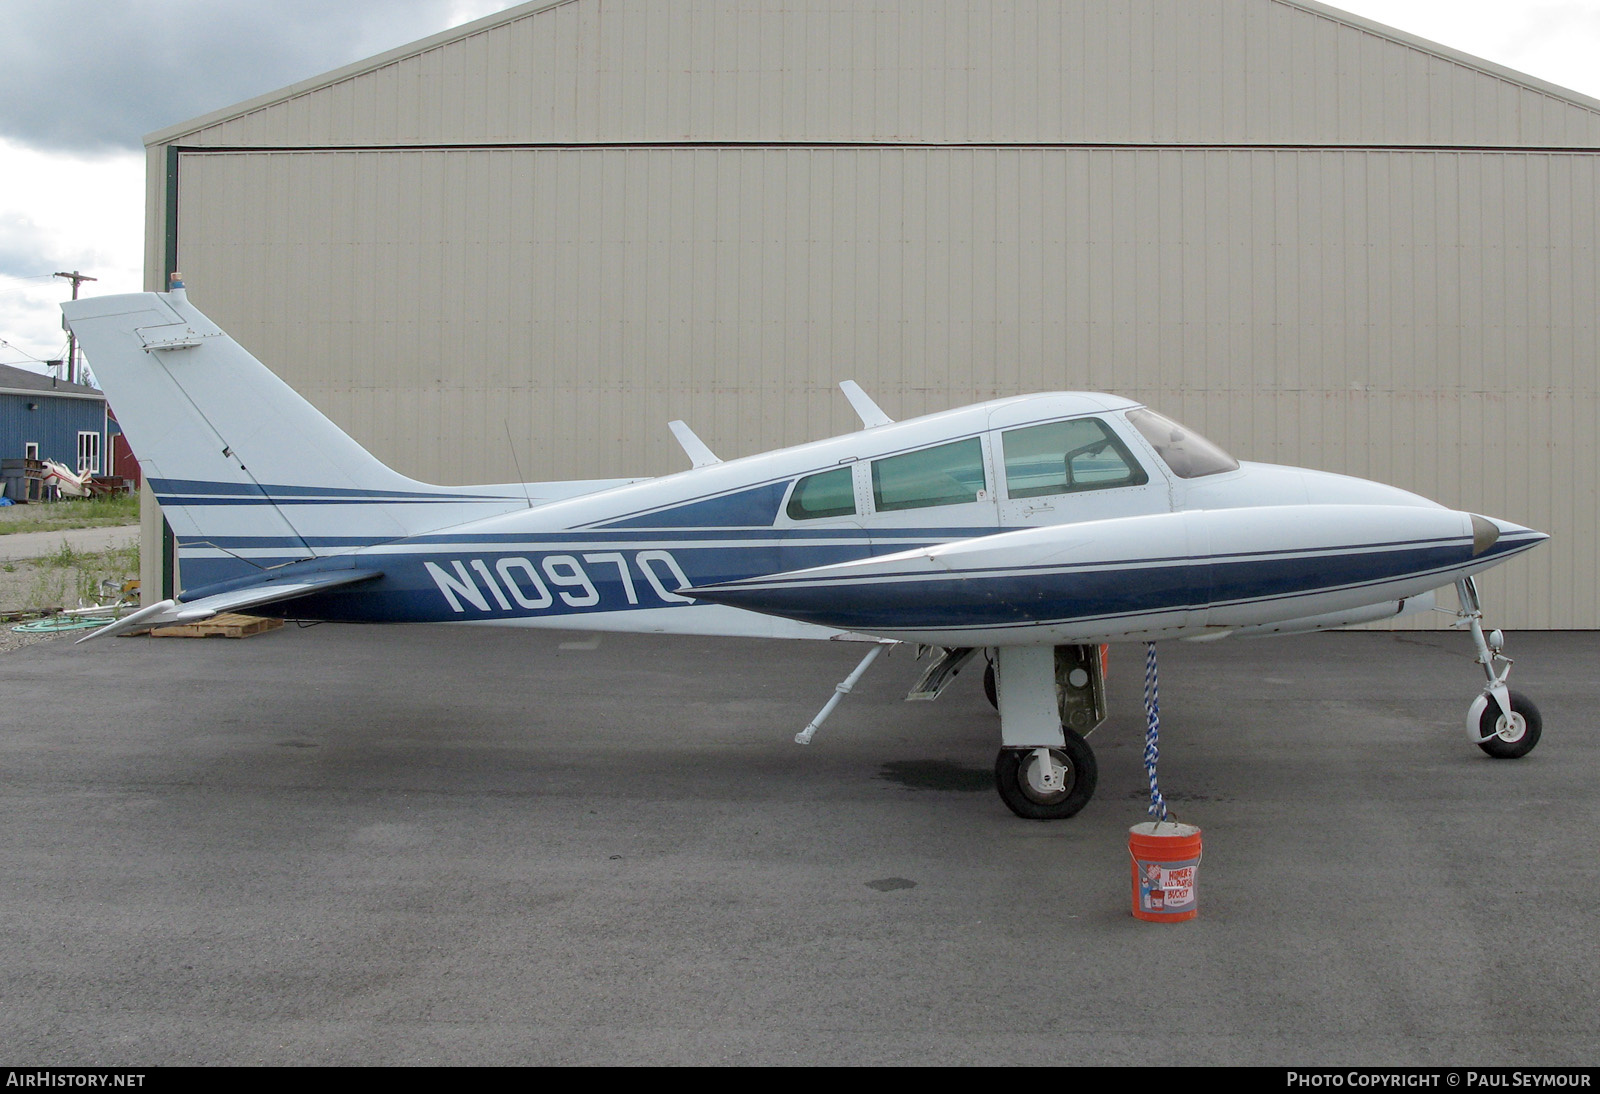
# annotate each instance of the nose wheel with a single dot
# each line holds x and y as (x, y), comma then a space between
(1503, 736)
(1504, 723)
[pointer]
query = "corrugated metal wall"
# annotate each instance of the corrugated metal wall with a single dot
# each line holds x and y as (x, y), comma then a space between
(1423, 319)
(54, 426)
(1319, 242)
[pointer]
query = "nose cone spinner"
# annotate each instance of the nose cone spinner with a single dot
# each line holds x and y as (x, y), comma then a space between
(1501, 537)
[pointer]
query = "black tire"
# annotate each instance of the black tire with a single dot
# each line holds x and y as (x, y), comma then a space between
(1522, 739)
(989, 691)
(1023, 797)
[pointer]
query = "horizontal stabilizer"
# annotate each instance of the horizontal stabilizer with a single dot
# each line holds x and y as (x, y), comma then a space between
(270, 591)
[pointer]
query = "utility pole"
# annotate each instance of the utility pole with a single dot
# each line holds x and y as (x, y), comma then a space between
(72, 339)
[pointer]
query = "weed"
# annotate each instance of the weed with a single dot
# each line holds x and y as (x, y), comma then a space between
(124, 559)
(47, 592)
(65, 557)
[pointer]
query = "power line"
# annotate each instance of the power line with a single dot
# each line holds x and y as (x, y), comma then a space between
(18, 349)
(52, 363)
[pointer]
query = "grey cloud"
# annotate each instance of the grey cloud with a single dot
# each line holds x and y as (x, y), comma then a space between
(96, 75)
(29, 326)
(29, 318)
(24, 247)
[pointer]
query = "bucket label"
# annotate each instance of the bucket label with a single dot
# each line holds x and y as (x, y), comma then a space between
(1166, 887)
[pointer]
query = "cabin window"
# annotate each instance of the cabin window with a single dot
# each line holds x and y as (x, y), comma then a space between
(1064, 457)
(1189, 455)
(828, 494)
(947, 475)
(88, 453)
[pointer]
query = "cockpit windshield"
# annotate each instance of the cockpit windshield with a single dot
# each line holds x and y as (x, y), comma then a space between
(1188, 454)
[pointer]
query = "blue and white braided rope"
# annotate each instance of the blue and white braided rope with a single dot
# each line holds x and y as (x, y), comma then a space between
(1152, 733)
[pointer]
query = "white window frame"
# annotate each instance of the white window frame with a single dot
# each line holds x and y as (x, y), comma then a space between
(88, 454)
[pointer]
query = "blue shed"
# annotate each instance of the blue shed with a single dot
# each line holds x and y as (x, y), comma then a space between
(46, 419)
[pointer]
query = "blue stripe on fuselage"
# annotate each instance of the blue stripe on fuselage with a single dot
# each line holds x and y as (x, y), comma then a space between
(478, 585)
(203, 492)
(473, 585)
(411, 591)
(755, 507)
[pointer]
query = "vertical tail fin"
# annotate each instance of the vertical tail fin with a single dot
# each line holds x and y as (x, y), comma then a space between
(212, 426)
(244, 468)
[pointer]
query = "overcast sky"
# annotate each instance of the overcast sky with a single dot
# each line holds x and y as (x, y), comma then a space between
(82, 82)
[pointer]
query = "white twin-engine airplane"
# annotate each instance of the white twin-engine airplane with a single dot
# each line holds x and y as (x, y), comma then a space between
(1034, 528)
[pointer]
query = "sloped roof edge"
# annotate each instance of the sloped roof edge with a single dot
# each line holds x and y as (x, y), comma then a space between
(19, 381)
(350, 71)
(1449, 53)
(538, 7)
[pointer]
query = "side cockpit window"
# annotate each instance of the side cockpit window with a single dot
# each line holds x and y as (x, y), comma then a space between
(947, 475)
(1065, 457)
(1189, 455)
(827, 494)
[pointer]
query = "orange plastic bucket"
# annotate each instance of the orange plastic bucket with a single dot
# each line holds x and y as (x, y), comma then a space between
(1166, 870)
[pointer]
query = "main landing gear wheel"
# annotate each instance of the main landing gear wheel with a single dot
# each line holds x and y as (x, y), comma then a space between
(1019, 776)
(1509, 738)
(989, 691)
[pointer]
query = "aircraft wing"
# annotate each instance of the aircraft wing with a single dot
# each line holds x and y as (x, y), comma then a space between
(270, 590)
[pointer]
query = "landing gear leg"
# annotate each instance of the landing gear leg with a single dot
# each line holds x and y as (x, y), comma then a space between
(1502, 722)
(1045, 771)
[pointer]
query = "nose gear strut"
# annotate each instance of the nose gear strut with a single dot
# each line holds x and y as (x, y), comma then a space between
(1504, 723)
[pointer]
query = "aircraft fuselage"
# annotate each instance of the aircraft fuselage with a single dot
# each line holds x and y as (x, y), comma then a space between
(1166, 540)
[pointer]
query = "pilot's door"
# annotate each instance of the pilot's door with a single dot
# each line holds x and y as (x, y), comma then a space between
(1068, 471)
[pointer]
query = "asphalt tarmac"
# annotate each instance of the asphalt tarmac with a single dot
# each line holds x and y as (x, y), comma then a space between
(405, 845)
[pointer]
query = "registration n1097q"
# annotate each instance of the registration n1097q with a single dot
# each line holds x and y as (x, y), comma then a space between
(560, 582)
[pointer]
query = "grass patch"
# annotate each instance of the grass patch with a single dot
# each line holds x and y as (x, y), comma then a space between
(111, 511)
(69, 579)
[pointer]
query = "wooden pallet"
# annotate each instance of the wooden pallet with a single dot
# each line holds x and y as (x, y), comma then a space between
(227, 625)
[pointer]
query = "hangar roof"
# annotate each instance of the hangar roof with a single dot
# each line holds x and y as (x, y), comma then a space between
(1270, 72)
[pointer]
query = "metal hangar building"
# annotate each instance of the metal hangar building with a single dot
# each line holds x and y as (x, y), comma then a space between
(518, 248)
